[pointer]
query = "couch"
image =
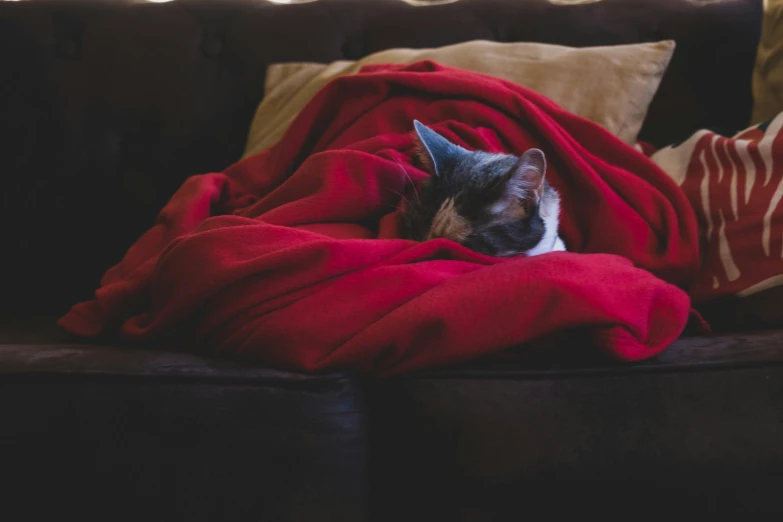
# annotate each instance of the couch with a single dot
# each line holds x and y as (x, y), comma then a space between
(107, 106)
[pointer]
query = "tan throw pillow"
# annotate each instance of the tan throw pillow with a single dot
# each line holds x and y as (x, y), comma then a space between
(768, 71)
(612, 86)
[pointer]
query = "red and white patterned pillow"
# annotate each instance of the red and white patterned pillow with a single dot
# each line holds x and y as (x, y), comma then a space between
(735, 185)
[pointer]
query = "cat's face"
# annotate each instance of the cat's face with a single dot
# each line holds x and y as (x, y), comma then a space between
(496, 204)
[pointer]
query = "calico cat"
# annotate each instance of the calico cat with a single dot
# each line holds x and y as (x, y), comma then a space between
(495, 204)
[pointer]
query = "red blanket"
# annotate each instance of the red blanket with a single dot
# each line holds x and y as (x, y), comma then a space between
(292, 257)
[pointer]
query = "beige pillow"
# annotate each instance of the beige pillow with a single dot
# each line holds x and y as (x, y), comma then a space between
(768, 71)
(612, 86)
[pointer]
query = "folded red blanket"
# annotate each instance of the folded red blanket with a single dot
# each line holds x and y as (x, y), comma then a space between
(292, 257)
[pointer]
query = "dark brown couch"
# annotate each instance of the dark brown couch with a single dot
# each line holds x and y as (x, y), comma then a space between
(106, 106)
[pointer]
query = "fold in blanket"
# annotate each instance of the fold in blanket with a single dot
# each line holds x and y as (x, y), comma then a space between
(292, 257)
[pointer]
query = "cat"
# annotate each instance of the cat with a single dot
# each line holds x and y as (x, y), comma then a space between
(495, 204)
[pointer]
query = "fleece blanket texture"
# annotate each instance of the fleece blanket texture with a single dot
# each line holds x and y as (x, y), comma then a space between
(293, 257)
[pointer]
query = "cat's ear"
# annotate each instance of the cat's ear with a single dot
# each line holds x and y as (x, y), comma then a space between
(525, 182)
(436, 152)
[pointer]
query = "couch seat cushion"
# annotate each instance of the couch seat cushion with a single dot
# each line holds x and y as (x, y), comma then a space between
(111, 433)
(696, 430)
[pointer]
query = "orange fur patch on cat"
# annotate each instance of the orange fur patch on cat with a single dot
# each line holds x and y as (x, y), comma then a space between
(448, 224)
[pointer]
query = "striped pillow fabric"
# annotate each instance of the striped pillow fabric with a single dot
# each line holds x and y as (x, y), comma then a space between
(735, 185)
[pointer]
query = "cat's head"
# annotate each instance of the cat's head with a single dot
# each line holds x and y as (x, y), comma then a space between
(496, 204)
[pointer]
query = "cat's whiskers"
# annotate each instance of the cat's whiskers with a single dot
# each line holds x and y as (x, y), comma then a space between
(402, 196)
(391, 207)
(405, 173)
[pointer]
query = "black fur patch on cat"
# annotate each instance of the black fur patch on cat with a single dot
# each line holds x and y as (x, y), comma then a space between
(496, 204)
